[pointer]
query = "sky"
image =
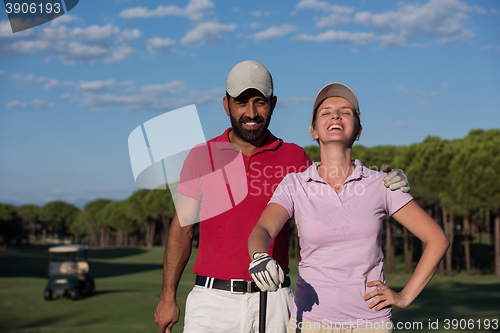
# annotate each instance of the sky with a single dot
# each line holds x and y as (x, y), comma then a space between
(73, 89)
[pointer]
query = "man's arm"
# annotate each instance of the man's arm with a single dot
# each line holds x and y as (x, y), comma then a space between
(177, 253)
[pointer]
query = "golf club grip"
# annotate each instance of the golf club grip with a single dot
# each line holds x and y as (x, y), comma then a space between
(262, 311)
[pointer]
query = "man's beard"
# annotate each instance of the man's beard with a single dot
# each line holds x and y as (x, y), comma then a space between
(249, 135)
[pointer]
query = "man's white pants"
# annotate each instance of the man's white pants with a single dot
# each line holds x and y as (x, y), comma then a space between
(219, 311)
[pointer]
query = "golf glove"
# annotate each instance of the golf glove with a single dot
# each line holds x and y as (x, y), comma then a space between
(266, 272)
(395, 179)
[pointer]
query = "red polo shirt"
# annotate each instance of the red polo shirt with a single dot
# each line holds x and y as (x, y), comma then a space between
(233, 190)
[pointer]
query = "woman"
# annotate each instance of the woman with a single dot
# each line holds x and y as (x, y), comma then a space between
(338, 206)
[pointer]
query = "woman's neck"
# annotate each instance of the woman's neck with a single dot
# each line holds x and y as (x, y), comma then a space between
(336, 164)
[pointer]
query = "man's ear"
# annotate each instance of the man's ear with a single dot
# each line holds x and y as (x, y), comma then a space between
(274, 100)
(225, 102)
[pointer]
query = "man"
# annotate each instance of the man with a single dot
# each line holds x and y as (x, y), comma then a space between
(225, 299)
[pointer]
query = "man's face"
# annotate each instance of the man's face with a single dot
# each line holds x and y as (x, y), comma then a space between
(250, 114)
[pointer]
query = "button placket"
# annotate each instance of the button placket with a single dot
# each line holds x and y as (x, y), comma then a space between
(247, 164)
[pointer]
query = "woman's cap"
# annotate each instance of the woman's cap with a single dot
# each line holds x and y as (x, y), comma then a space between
(249, 74)
(336, 89)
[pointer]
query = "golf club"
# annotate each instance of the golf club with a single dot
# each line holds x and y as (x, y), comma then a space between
(262, 311)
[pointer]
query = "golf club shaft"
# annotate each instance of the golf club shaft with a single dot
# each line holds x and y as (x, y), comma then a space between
(262, 311)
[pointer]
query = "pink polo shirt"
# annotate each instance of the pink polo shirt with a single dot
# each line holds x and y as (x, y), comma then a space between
(340, 240)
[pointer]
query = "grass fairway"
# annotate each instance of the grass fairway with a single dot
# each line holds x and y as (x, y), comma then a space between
(128, 283)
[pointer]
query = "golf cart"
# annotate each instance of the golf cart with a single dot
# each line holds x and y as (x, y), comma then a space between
(69, 274)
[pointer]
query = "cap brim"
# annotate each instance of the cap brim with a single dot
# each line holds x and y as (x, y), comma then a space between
(239, 89)
(336, 89)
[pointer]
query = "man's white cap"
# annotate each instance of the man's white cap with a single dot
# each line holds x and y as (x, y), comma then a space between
(336, 89)
(249, 74)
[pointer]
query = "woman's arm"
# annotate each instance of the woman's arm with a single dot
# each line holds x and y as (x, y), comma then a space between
(270, 223)
(419, 223)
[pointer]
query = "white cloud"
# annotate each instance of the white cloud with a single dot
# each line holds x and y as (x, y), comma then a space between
(78, 52)
(339, 36)
(63, 20)
(294, 100)
(96, 33)
(97, 86)
(36, 103)
(479, 10)
(408, 25)
(121, 53)
(131, 34)
(195, 10)
(333, 20)
(56, 84)
(322, 5)
(173, 87)
(100, 94)
(156, 45)
(47, 82)
(16, 105)
(338, 14)
(259, 13)
(402, 89)
(151, 102)
(126, 83)
(71, 97)
(255, 25)
(6, 31)
(419, 96)
(143, 12)
(91, 44)
(27, 79)
(207, 33)
(442, 19)
(274, 32)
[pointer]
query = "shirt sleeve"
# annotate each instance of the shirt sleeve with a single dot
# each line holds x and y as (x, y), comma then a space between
(189, 184)
(283, 195)
(395, 200)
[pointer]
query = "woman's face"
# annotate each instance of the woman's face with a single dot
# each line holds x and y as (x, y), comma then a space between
(336, 122)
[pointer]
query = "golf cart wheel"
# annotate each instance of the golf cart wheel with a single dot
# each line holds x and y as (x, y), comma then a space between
(75, 294)
(47, 294)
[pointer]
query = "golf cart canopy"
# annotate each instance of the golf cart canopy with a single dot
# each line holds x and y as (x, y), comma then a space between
(68, 248)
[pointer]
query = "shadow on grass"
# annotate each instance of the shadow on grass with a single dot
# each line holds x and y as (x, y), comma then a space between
(102, 269)
(452, 299)
(33, 262)
(47, 321)
(98, 293)
(114, 253)
(104, 292)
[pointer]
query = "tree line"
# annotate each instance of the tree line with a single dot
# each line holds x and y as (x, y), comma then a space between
(456, 181)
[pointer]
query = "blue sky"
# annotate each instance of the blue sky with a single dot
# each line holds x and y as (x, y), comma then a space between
(74, 88)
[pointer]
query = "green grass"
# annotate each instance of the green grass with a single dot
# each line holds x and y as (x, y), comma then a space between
(128, 283)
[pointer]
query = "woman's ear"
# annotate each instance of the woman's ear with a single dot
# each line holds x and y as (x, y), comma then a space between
(315, 135)
(359, 132)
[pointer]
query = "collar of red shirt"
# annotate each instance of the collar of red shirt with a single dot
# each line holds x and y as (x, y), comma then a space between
(272, 143)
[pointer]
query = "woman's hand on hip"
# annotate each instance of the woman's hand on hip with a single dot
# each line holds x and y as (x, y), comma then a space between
(384, 297)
